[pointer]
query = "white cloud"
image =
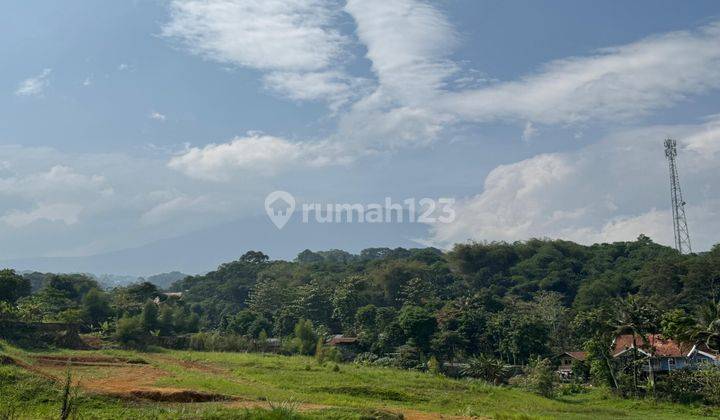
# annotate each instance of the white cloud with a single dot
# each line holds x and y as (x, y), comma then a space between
(253, 154)
(34, 86)
(271, 34)
(514, 202)
(87, 81)
(420, 90)
(58, 194)
(615, 83)
(103, 202)
(157, 116)
(377, 123)
(407, 42)
(706, 142)
(294, 41)
(335, 87)
(55, 212)
(613, 190)
(529, 131)
(58, 181)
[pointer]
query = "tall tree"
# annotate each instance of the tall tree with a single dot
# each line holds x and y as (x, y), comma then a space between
(635, 316)
(13, 286)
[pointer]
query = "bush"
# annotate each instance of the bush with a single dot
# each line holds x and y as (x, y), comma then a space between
(486, 368)
(385, 362)
(325, 353)
(709, 378)
(539, 378)
(130, 332)
(434, 366)
(691, 386)
(625, 383)
(219, 342)
(7, 311)
(305, 337)
(571, 388)
(365, 359)
(409, 357)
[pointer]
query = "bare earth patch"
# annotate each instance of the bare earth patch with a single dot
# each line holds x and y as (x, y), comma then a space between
(95, 360)
(134, 379)
(170, 395)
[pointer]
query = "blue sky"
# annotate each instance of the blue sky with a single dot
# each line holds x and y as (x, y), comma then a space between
(124, 123)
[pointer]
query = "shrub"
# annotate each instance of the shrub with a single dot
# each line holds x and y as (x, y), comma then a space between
(219, 342)
(434, 366)
(690, 386)
(8, 311)
(385, 362)
(571, 388)
(366, 358)
(625, 384)
(325, 353)
(305, 337)
(486, 368)
(285, 410)
(409, 357)
(709, 378)
(130, 332)
(540, 378)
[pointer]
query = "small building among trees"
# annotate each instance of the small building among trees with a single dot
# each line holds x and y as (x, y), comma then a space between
(568, 362)
(660, 354)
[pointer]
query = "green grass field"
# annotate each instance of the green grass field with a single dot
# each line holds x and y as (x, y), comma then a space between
(297, 386)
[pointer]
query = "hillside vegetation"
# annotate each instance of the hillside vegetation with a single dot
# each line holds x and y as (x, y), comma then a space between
(500, 313)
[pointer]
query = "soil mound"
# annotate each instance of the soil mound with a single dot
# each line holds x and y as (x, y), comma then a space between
(96, 360)
(172, 395)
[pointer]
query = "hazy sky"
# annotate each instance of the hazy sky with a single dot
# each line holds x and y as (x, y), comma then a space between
(126, 122)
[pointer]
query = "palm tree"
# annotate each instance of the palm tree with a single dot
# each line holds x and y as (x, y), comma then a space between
(633, 316)
(708, 328)
(485, 367)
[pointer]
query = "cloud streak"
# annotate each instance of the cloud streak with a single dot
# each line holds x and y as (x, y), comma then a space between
(621, 82)
(34, 86)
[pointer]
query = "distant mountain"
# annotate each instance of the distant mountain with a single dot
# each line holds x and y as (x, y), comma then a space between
(164, 280)
(202, 251)
(109, 281)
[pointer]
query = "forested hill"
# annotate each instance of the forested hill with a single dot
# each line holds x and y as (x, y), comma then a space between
(511, 301)
(459, 292)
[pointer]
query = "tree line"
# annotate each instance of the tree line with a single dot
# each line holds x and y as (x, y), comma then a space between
(480, 303)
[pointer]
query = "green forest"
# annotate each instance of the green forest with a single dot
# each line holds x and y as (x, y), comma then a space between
(497, 312)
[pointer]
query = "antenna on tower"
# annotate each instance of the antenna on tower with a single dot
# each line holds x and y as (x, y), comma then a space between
(680, 228)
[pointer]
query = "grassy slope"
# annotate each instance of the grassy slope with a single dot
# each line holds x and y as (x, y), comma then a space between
(281, 378)
(356, 389)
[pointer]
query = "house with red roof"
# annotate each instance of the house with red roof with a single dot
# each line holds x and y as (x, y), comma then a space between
(662, 354)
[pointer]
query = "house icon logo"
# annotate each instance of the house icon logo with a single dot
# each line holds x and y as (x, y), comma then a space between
(279, 206)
